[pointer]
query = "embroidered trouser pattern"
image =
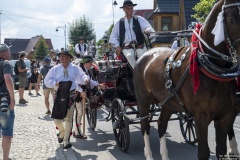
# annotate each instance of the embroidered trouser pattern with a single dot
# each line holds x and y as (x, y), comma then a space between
(79, 114)
(129, 54)
(66, 130)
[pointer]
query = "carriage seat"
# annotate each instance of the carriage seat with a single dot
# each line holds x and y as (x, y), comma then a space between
(103, 65)
(108, 71)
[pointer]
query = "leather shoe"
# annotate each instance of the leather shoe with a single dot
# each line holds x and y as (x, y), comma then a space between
(67, 146)
(79, 136)
(60, 140)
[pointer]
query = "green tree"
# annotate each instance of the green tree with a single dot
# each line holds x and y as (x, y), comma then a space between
(81, 27)
(41, 49)
(202, 9)
(106, 34)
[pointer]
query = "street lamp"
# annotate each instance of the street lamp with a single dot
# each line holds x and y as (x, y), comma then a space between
(64, 28)
(114, 4)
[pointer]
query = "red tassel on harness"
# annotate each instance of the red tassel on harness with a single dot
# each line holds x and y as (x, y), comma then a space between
(194, 71)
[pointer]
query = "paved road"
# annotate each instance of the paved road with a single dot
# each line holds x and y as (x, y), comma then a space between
(35, 133)
(101, 145)
(35, 138)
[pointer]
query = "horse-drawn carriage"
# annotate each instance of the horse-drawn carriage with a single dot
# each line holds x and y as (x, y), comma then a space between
(120, 102)
(212, 60)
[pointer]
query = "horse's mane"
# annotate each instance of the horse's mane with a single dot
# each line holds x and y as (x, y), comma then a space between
(210, 13)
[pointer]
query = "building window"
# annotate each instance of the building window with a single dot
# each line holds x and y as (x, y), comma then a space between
(166, 23)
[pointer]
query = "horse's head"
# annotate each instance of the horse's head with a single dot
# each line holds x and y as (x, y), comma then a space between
(221, 29)
(231, 22)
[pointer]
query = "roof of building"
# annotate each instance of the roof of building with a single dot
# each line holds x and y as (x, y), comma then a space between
(168, 6)
(26, 45)
(173, 7)
(32, 42)
(144, 13)
(17, 44)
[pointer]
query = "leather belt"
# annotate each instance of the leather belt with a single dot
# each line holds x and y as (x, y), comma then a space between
(72, 92)
(129, 45)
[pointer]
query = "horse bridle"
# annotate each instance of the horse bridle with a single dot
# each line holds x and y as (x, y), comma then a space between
(231, 48)
(231, 43)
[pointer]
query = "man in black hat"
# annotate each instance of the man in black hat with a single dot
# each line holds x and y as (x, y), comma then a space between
(81, 48)
(86, 64)
(66, 79)
(128, 34)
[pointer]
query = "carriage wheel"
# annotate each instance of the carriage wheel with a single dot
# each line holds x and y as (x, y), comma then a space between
(120, 125)
(91, 117)
(187, 127)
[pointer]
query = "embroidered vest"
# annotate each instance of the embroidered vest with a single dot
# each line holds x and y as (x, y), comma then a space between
(84, 46)
(136, 28)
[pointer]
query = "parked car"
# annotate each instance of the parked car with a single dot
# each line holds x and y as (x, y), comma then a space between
(15, 77)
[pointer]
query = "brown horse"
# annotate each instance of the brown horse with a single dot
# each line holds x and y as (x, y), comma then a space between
(215, 93)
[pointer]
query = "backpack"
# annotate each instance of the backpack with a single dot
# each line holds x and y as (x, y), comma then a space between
(16, 68)
(47, 68)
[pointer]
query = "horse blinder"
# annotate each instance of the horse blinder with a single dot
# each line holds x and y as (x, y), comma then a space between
(231, 44)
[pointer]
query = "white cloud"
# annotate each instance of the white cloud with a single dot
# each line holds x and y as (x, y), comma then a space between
(58, 13)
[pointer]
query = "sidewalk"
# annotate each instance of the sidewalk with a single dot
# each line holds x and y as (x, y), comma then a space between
(34, 133)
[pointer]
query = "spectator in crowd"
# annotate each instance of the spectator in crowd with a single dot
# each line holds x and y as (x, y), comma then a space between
(23, 80)
(46, 91)
(33, 79)
(7, 114)
(177, 43)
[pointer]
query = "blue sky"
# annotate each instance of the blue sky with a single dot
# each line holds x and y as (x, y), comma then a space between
(45, 15)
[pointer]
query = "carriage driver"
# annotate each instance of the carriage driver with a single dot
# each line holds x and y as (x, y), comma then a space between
(130, 29)
(86, 64)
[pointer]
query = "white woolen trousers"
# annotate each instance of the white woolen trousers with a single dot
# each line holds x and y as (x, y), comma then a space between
(129, 54)
(79, 115)
(65, 131)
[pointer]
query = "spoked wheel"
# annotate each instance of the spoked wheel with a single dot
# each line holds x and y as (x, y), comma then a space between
(120, 125)
(91, 117)
(187, 127)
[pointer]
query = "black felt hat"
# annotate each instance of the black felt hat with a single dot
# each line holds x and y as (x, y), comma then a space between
(81, 38)
(65, 52)
(128, 3)
(86, 59)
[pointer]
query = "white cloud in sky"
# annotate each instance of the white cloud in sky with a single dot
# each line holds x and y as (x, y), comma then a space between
(58, 13)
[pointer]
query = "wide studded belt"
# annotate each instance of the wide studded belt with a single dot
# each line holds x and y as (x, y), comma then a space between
(129, 45)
